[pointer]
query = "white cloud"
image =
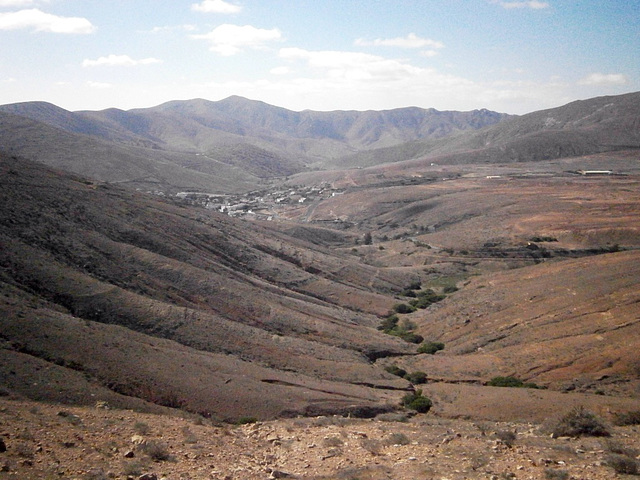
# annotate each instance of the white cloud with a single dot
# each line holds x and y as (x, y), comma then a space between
(173, 28)
(15, 3)
(229, 40)
(352, 65)
(604, 79)
(429, 53)
(44, 22)
(99, 85)
(410, 41)
(216, 6)
(118, 61)
(280, 71)
(330, 80)
(533, 4)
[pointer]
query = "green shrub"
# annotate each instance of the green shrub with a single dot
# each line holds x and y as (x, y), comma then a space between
(389, 323)
(416, 378)
(396, 370)
(512, 382)
(505, 382)
(417, 401)
(580, 421)
(403, 308)
(409, 337)
(246, 420)
(391, 326)
(450, 289)
(532, 385)
(430, 347)
(406, 325)
(426, 298)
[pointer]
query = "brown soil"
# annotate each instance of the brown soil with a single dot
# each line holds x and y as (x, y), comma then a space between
(53, 441)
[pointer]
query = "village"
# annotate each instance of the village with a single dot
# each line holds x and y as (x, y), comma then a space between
(263, 204)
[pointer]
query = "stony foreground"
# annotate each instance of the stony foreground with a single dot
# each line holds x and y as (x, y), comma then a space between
(52, 441)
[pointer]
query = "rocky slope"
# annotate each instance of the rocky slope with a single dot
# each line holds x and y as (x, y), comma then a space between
(49, 441)
(245, 319)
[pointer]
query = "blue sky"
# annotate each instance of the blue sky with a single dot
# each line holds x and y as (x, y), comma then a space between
(513, 56)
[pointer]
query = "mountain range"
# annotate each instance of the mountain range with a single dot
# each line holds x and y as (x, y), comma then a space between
(153, 302)
(237, 144)
(213, 146)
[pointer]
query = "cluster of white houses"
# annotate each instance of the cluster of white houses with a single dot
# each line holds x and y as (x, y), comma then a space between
(261, 204)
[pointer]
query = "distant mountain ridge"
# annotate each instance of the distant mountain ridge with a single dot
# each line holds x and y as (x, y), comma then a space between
(238, 116)
(229, 133)
(235, 144)
(584, 127)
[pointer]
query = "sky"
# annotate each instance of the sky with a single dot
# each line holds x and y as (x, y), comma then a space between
(512, 56)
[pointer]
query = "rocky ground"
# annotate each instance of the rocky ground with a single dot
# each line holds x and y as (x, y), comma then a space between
(49, 441)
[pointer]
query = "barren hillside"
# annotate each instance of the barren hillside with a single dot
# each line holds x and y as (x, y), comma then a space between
(227, 298)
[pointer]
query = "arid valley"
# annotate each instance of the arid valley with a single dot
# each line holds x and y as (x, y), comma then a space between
(230, 290)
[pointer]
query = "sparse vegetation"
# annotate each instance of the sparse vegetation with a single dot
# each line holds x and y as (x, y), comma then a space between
(332, 441)
(510, 381)
(623, 464)
(142, 428)
(133, 468)
(416, 378)
(393, 417)
(425, 298)
(371, 445)
(393, 326)
(246, 420)
(156, 451)
(389, 323)
(507, 437)
(613, 446)
(579, 422)
(397, 438)
(403, 308)
(396, 370)
(430, 348)
(555, 474)
(543, 238)
(417, 401)
(413, 377)
(627, 418)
